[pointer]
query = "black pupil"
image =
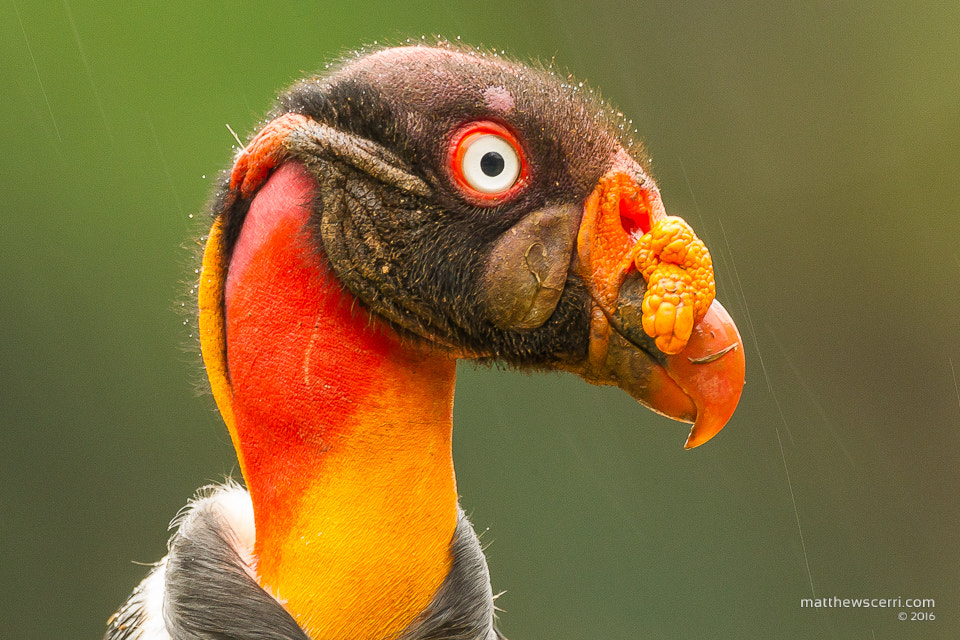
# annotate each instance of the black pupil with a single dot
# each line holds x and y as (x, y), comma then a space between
(492, 164)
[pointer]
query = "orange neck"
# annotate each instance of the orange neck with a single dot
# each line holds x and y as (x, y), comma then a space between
(343, 434)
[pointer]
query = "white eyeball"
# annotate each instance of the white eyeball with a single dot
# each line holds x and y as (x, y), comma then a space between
(490, 164)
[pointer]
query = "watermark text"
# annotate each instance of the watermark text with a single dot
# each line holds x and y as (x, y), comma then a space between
(865, 603)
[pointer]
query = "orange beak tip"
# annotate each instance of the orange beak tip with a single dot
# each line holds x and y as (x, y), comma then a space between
(712, 371)
(699, 436)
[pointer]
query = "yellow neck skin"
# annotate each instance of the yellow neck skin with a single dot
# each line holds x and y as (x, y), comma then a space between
(370, 543)
(344, 440)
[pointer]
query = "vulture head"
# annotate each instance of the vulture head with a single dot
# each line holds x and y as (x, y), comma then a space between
(414, 206)
(454, 196)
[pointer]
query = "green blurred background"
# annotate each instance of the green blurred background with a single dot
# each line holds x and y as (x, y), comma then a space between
(814, 145)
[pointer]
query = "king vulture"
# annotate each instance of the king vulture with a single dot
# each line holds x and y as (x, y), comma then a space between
(408, 208)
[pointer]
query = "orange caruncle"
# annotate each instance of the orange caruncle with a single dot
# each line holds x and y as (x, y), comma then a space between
(680, 285)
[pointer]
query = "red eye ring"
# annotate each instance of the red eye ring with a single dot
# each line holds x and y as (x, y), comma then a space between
(487, 162)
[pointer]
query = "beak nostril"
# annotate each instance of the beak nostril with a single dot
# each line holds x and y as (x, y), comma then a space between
(634, 215)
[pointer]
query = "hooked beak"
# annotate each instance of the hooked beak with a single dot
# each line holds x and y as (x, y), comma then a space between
(656, 331)
(711, 371)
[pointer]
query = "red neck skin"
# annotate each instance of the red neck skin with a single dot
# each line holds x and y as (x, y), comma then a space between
(343, 432)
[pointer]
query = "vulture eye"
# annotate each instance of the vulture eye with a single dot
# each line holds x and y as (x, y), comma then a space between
(487, 162)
